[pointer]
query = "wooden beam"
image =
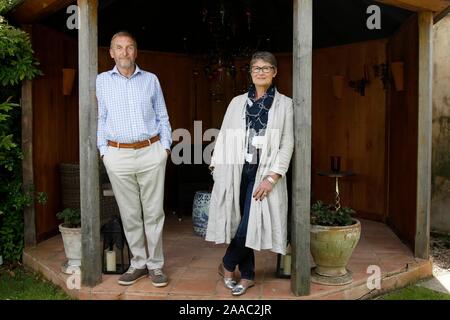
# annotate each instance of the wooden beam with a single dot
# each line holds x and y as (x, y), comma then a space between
(301, 174)
(29, 213)
(422, 238)
(441, 15)
(435, 6)
(30, 11)
(91, 271)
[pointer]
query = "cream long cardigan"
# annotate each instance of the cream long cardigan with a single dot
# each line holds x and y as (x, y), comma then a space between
(267, 226)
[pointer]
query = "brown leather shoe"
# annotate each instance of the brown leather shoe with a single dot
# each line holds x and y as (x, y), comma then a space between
(242, 287)
(227, 277)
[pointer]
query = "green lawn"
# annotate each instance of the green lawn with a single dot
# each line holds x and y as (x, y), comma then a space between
(414, 292)
(20, 284)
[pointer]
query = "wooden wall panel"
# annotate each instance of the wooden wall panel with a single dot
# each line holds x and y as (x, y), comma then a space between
(403, 108)
(55, 122)
(283, 79)
(352, 127)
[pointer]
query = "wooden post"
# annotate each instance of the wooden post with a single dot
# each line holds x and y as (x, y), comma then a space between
(301, 178)
(422, 239)
(91, 272)
(29, 213)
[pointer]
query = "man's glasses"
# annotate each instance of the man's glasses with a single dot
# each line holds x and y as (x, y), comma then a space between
(265, 69)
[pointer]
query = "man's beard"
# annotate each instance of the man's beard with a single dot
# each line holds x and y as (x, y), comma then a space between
(126, 63)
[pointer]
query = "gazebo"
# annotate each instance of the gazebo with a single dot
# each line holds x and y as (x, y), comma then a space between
(381, 131)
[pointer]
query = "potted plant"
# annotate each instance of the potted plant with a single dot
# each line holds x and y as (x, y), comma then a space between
(334, 236)
(71, 233)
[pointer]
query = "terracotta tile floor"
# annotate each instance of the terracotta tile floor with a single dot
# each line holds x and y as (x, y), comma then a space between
(191, 265)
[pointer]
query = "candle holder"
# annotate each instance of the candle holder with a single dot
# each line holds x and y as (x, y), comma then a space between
(284, 264)
(335, 163)
(116, 253)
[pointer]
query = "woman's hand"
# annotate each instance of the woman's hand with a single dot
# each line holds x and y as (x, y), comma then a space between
(264, 188)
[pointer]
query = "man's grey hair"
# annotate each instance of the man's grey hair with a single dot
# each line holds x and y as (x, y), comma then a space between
(264, 56)
(123, 33)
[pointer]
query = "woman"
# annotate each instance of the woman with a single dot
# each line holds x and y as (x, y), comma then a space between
(248, 206)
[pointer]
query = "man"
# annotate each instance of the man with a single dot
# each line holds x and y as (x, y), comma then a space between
(134, 139)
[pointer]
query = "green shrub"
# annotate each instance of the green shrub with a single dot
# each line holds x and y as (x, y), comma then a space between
(71, 217)
(16, 63)
(326, 215)
(13, 200)
(17, 60)
(6, 5)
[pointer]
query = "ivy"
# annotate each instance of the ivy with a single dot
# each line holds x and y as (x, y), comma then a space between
(17, 60)
(6, 5)
(17, 63)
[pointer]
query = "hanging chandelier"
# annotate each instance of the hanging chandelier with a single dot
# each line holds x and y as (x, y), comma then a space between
(222, 22)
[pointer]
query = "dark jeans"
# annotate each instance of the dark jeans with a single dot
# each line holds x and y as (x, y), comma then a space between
(237, 253)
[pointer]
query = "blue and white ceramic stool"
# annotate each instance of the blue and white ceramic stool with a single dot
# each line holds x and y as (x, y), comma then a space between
(200, 210)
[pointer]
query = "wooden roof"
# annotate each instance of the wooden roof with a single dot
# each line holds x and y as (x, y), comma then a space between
(437, 6)
(29, 11)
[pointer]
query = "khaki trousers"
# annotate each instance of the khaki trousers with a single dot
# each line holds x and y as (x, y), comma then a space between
(137, 180)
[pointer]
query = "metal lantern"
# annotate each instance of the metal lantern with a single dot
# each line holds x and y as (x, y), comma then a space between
(116, 253)
(284, 264)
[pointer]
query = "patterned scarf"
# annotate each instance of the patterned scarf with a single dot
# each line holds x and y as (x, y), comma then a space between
(257, 116)
(257, 111)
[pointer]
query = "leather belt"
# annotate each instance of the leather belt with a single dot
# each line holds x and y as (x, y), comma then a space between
(135, 145)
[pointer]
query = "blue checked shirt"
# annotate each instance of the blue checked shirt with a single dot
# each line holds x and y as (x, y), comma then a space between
(131, 110)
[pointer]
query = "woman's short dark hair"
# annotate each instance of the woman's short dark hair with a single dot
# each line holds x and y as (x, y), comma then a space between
(264, 56)
(124, 33)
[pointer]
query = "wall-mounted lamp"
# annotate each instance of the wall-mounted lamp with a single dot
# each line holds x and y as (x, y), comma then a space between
(382, 71)
(360, 85)
(68, 80)
(392, 73)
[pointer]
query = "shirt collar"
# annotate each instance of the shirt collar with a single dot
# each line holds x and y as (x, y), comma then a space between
(116, 71)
